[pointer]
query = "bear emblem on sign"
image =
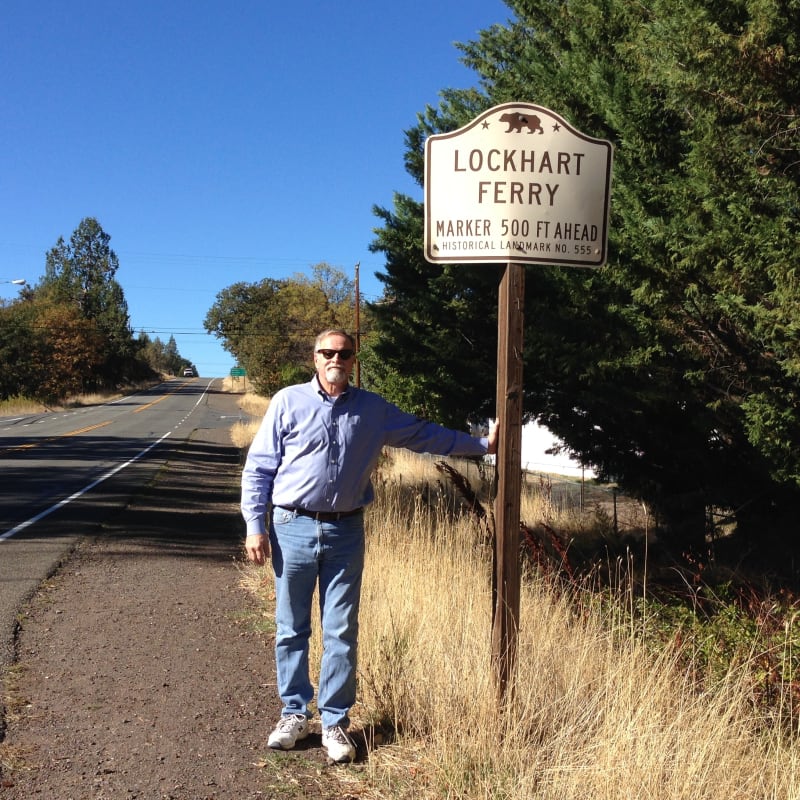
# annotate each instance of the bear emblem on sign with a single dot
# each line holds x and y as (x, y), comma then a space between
(516, 122)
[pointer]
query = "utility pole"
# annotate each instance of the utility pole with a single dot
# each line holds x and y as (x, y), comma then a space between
(358, 326)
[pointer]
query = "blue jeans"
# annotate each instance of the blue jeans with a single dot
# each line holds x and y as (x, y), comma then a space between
(306, 552)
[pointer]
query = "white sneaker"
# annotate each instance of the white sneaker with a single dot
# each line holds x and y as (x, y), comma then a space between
(289, 730)
(338, 745)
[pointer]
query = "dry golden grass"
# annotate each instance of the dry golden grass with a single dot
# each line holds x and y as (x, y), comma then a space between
(243, 431)
(96, 398)
(235, 385)
(20, 405)
(23, 405)
(593, 714)
(253, 404)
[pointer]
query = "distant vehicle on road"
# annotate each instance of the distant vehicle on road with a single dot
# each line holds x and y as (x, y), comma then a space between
(188, 373)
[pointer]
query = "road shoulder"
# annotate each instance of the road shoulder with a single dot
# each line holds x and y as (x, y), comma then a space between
(142, 669)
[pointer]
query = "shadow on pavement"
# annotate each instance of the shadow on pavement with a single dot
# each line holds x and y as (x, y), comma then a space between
(184, 496)
(191, 507)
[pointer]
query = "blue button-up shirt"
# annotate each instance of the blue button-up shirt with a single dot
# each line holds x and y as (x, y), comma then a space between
(318, 452)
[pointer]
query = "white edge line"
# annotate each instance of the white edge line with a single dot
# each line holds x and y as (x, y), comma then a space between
(33, 520)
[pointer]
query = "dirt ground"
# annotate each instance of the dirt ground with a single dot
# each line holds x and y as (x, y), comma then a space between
(143, 668)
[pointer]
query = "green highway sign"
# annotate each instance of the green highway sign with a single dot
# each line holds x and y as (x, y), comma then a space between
(238, 372)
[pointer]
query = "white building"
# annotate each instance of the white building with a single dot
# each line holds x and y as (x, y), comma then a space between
(536, 441)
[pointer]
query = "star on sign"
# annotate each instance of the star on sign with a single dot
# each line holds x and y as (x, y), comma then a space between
(485, 124)
(556, 127)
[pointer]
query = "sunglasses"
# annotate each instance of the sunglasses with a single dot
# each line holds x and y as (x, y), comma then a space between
(343, 354)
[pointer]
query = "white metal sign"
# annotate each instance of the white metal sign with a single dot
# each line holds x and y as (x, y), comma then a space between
(517, 184)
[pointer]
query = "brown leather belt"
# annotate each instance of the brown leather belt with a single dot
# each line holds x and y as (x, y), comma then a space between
(323, 516)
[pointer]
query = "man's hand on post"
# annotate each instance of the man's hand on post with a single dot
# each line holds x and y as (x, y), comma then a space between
(257, 547)
(492, 446)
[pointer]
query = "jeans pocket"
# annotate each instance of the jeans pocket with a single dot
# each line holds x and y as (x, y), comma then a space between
(282, 516)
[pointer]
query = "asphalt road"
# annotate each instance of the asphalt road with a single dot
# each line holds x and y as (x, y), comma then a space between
(66, 474)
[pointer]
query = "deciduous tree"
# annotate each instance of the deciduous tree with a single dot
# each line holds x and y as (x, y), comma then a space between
(269, 326)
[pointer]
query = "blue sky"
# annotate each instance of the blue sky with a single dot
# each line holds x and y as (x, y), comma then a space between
(215, 142)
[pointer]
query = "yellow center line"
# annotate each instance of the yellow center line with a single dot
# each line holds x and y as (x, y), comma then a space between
(85, 430)
(163, 397)
(31, 445)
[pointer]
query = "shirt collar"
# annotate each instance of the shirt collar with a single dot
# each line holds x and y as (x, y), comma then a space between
(325, 396)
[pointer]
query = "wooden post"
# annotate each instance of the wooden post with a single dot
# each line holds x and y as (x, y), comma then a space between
(506, 581)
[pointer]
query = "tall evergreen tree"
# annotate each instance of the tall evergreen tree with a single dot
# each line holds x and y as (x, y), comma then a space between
(674, 368)
(82, 275)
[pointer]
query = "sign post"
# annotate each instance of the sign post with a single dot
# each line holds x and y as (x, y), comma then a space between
(506, 575)
(516, 185)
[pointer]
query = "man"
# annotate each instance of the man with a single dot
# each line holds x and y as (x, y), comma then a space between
(311, 462)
